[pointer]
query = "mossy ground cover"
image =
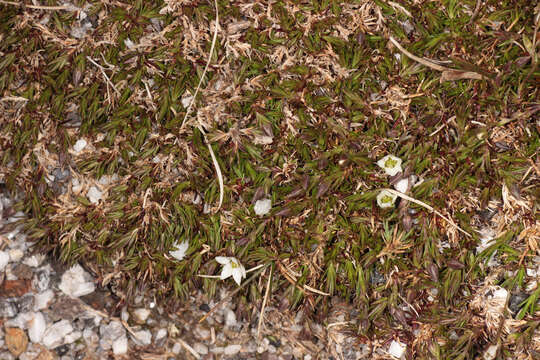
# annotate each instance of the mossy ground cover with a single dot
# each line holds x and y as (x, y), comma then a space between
(300, 101)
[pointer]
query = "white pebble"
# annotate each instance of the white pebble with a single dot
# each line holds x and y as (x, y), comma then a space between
(186, 100)
(141, 315)
(34, 260)
(230, 318)
(71, 338)
(232, 349)
(161, 333)
(142, 337)
(79, 145)
(176, 348)
(76, 282)
(262, 207)
(94, 195)
(397, 349)
(42, 300)
(55, 333)
(120, 345)
(4, 260)
(15, 255)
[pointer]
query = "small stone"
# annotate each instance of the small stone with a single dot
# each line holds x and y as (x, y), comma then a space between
(15, 255)
(94, 195)
(397, 349)
(16, 341)
(230, 318)
(72, 337)
(176, 348)
(26, 303)
(112, 331)
(201, 333)
(200, 348)
(61, 350)
(140, 315)
(15, 288)
(232, 349)
(41, 280)
(76, 282)
(79, 145)
(516, 300)
(34, 260)
(8, 308)
(142, 337)
(42, 300)
(204, 307)
(36, 327)
(55, 333)
(20, 321)
(120, 345)
(4, 260)
(262, 207)
(161, 333)
(22, 271)
(45, 355)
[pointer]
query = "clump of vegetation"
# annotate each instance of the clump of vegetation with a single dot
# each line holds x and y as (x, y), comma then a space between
(299, 104)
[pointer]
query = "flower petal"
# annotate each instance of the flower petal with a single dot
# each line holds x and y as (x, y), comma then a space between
(402, 185)
(223, 260)
(226, 272)
(386, 199)
(237, 275)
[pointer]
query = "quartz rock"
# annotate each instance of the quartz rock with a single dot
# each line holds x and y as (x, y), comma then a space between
(42, 300)
(142, 337)
(76, 282)
(140, 315)
(55, 333)
(4, 260)
(36, 327)
(120, 345)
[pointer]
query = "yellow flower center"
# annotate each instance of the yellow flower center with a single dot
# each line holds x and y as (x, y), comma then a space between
(386, 199)
(390, 163)
(234, 265)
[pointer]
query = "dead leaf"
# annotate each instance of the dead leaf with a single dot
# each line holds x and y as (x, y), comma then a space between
(453, 75)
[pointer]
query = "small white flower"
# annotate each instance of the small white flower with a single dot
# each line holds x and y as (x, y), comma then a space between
(180, 251)
(386, 199)
(402, 185)
(231, 266)
(262, 207)
(391, 164)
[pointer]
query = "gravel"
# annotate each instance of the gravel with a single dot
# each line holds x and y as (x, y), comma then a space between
(49, 311)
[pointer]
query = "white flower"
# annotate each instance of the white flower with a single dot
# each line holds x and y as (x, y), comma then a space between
(402, 185)
(180, 251)
(231, 266)
(262, 207)
(391, 164)
(386, 199)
